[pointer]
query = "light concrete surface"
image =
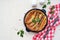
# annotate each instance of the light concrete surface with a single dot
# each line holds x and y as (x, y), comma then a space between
(11, 11)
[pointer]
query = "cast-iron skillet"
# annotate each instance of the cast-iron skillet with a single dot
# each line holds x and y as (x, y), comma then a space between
(28, 30)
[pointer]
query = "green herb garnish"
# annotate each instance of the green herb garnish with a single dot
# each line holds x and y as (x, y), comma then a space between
(34, 21)
(44, 6)
(18, 33)
(21, 33)
(52, 12)
(52, 7)
(37, 20)
(48, 2)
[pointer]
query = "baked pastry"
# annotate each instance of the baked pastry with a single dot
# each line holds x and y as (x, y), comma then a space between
(35, 20)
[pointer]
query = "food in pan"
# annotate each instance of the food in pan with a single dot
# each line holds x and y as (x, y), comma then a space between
(35, 20)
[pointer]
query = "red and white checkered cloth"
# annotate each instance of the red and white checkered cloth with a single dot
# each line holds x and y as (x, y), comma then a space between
(50, 35)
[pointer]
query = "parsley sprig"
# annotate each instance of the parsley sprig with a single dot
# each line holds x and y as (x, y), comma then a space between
(48, 2)
(52, 9)
(36, 20)
(20, 32)
(45, 5)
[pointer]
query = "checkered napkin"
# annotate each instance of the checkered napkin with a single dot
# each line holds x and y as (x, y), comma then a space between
(50, 35)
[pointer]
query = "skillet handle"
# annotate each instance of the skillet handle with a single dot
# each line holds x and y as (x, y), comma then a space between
(27, 29)
(44, 11)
